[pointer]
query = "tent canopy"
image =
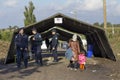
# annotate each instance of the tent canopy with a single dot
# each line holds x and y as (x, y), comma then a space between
(94, 35)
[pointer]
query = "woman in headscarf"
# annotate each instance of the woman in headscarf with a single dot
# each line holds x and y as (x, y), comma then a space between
(74, 45)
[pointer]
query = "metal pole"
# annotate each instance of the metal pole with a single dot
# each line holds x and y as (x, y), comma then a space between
(105, 15)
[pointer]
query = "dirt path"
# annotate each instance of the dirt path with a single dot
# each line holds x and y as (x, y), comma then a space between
(58, 71)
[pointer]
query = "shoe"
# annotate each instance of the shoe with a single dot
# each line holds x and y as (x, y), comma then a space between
(71, 68)
(75, 69)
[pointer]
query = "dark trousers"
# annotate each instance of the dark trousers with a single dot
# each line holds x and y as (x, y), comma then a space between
(76, 64)
(38, 56)
(22, 54)
(55, 55)
(73, 64)
(70, 65)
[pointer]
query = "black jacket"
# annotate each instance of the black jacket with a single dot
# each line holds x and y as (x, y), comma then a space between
(38, 39)
(54, 41)
(21, 41)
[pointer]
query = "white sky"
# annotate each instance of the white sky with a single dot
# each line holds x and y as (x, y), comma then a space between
(11, 11)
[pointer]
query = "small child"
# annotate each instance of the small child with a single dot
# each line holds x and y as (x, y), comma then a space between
(82, 60)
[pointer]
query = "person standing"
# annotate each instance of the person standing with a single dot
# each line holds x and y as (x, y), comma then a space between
(37, 40)
(21, 43)
(74, 45)
(54, 45)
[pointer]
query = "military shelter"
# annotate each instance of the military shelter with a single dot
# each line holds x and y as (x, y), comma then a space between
(65, 26)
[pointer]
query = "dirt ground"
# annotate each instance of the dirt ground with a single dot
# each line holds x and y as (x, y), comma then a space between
(96, 69)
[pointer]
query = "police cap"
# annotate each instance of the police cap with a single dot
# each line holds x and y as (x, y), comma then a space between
(34, 29)
(54, 30)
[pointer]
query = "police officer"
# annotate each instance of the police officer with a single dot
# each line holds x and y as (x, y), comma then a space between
(37, 40)
(54, 45)
(21, 43)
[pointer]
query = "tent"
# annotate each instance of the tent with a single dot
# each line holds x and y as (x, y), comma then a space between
(66, 26)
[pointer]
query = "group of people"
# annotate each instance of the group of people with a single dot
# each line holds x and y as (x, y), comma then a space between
(74, 54)
(21, 45)
(76, 57)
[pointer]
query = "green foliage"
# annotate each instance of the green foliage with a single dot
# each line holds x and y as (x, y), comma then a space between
(6, 35)
(10, 28)
(15, 27)
(102, 25)
(116, 25)
(114, 40)
(96, 24)
(29, 16)
(108, 24)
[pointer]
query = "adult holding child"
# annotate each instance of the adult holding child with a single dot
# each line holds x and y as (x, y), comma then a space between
(75, 50)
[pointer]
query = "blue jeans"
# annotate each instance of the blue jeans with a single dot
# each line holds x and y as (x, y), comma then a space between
(22, 54)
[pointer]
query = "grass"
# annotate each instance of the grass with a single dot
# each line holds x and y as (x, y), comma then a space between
(114, 40)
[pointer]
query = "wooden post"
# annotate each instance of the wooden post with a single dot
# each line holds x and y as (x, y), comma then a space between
(105, 15)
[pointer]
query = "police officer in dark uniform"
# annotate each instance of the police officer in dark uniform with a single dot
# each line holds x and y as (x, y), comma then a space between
(54, 45)
(37, 40)
(21, 43)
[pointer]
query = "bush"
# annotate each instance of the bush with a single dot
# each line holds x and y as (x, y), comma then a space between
(6, 35)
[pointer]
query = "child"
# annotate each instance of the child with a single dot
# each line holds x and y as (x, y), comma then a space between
(82, 60)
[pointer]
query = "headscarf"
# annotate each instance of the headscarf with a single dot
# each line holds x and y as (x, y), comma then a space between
(74, 37)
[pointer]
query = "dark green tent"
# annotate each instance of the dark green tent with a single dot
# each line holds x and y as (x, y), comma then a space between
(94, 35)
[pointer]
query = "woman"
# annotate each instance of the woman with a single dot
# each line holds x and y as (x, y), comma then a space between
(74, 45)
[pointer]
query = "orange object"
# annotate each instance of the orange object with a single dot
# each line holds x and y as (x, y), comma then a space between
(82, 66)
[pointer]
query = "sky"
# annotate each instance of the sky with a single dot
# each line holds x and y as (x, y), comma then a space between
(90, 11)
